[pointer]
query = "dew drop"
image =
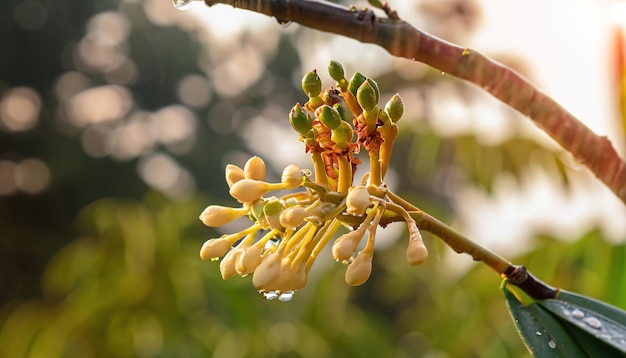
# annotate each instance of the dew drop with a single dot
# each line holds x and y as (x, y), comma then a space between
(213, 259)
(578, 313)
(271, 295)
(538, 333)
(286, 296)
(593, 322)
(443, 73)
(182, 5)
(552, 344)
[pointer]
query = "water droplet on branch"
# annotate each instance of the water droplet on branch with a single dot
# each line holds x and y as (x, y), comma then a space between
(183, 5)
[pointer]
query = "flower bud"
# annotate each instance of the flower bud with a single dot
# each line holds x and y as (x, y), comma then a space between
(233, 174)
(292, 217)
(355, 82)
(292, 176)
(329, 116)
(255, 168)
(248, 190)
(215, 248)
(272, 211)
(357, 200)
(267, 270)
(249, 259)
(416, 252)
(367, 96)
(289, 278)
(342, 136)
(394, 108)
(336, 72)
(312, 84)
(227, 265)
(360, 269)
(299, 119)
(345, 246)
(217, 215)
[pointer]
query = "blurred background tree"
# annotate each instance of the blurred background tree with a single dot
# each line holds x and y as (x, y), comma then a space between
(118, 117)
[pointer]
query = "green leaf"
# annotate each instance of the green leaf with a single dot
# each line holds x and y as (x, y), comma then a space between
(602, 321)
(541, 332)
(572, 325)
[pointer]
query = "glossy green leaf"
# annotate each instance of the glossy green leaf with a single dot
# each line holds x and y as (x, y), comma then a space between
(602, 321)
(541, 332)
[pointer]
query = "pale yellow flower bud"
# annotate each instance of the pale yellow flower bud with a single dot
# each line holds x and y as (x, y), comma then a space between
(216, 215)
(292, 217)
(249, 259)
(233, 174)
(345, 246)
(289, 278)
(215, 248)
(416, 252)
(360, 269)
(357, 200)
(248, 190)
(292, 176)
(228, 263)
(255, 168)
(272, 211)
(267, 270)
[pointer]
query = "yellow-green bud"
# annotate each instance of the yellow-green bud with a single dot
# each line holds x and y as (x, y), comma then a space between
(329, 116)
(272, 211)
(357, 200)
(312, 84)
(367, 95)
(267, 270)
(293, 216)
(355, 82)
(342, 135)
(215, 248)
(248, 190)
(233, 174)
(300, 120)
(360, 269)
(229, 262)
(346, 244)
(416, 252)
(335, 70)
(248, 260)
(309, 138)
(216, 215)
(394, 108)
(292, 176)
(255, 168)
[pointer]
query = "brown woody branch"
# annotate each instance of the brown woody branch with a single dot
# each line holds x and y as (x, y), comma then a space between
(403, 40)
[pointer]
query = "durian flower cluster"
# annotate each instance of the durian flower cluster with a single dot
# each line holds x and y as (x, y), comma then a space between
(288, 232)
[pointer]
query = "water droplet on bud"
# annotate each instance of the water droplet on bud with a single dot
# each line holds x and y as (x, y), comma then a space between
(270, 295)
(286, 296)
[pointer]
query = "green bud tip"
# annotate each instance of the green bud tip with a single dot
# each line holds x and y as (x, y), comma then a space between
(299, 119)
(335, 70)
(272, 208)
(312, 84)
(394, 108)
(329, 117)
(342, 135)
(366, 96)
(355, 82)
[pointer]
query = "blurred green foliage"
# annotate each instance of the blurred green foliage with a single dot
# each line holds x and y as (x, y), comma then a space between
(101, 265)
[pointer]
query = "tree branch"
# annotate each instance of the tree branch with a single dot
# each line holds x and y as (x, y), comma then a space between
(403, 40)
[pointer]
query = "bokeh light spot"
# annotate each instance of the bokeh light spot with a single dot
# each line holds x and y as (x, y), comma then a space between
(101, 104)
(32, 176)
(19, 109)
(8, 185)
(194, 91)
